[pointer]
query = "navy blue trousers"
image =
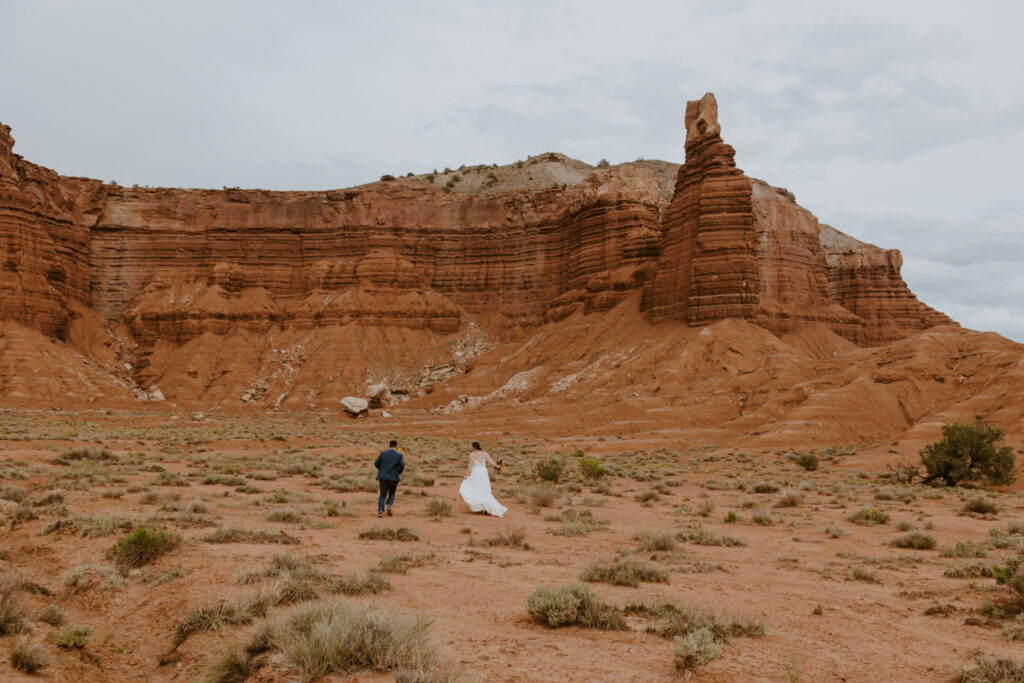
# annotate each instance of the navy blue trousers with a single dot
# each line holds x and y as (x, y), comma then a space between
(387, 491)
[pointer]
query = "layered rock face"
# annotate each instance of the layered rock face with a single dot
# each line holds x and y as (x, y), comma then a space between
(709, 270)
(218, 294)
(738, 248)
(44, 243)
(866, 280)
(178, 263)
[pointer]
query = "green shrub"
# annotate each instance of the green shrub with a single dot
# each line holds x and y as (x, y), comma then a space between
(808, 461)
(868, 517)
(575, 604)
(969, 451)
(592, 468)
(142, 546)
(695, 649)
(550, 469)
(73, 636)
(624, 572)
(1011, 575)
(915, 541)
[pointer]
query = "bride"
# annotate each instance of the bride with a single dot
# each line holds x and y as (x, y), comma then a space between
(476, 487)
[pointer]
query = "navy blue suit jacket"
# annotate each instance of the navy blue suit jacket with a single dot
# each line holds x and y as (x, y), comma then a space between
(389, 465)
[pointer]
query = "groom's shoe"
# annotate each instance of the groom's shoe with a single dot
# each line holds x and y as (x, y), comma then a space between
(380, 514)
(389, 512)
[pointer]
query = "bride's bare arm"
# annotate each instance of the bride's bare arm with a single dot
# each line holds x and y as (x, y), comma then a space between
(490, 459)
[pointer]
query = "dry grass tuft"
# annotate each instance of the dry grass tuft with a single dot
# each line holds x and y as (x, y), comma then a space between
(627, 571)
(142, 546)
(237, 535)
(213, 618)
(515, 538)
(230, 663)
(337, 636)
(915, 541)
(789, 499)
(979, 505)
(52, 615)
(439, 508)
(651, 541)
(385, 533)
(989, 670)
(352, 583)
(13, 617)
(577, 522)
(27, 656)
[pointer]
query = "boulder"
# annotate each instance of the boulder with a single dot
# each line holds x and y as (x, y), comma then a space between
(355, 405)
(377, 394)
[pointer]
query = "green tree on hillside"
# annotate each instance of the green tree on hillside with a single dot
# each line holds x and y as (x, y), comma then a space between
(969, 452)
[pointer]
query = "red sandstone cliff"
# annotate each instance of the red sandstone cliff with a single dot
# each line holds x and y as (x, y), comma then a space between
(295, 299)
(738, 248)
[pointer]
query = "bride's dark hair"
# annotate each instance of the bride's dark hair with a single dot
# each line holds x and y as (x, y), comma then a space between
(476, 446)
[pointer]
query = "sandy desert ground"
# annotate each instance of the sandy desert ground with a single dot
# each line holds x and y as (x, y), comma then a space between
(751, 539)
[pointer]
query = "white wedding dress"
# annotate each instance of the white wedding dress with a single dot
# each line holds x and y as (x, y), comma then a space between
(476, 491)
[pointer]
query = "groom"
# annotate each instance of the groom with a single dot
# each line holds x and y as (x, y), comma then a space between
(389, 465)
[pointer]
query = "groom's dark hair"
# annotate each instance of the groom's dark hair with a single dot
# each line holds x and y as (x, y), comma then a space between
(476, 445)
(392, 443)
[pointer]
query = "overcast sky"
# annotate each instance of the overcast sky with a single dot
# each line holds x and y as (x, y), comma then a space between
(900, 123)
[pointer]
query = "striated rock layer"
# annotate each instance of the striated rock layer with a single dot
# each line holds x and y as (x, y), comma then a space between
(296, 298)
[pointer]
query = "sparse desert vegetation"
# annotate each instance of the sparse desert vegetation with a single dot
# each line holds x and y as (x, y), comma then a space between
(217, 540)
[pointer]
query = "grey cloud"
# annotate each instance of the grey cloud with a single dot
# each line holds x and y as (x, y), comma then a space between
(978, 298)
